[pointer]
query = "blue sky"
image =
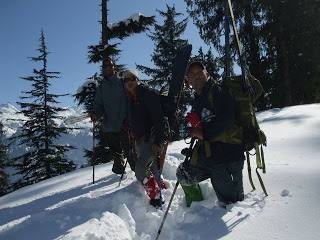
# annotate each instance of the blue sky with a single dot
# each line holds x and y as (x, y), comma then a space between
(70, 26)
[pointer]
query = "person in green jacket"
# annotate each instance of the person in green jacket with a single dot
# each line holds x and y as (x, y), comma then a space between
(112, 105)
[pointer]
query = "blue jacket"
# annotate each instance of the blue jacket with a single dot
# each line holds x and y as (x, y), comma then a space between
(112, 104)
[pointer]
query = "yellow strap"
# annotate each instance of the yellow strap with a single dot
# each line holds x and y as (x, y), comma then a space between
(194, 158)
(249, 170)
(261, 183)
(232, 136)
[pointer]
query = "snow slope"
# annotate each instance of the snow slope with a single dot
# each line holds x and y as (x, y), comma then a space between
(71, 207)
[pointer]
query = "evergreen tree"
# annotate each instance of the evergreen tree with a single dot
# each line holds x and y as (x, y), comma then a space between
(214, 21)
(292, 51)
(279, 41)
(167, 43)
(4, 178)
(111, 32)
(44, 158)
(212, 64)
(209, 17)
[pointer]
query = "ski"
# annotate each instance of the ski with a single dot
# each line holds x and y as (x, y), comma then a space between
(72, 120)
(176, 85)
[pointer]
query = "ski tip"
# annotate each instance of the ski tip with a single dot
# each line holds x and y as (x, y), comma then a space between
(187, 47)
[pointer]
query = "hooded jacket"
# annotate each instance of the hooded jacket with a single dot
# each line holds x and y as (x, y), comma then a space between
(148, 119)
(112, 104)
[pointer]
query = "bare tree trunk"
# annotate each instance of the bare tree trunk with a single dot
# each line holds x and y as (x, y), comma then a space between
(284, 68)
(227, 36)
(104, 24)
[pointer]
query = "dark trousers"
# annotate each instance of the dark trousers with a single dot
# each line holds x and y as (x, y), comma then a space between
(146, 162)
(226, 178)
(120, 147)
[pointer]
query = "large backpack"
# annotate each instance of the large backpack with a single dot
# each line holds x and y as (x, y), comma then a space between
(246, 131)
(250, 132)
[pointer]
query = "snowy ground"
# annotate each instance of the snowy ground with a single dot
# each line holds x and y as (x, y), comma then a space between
(71, 207)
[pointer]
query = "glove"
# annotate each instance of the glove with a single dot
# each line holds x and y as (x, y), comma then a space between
(194, 119)
(195, 122)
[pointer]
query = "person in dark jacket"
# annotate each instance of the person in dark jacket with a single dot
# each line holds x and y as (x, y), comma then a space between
(150, 129)
(212, 157)
(112, 105)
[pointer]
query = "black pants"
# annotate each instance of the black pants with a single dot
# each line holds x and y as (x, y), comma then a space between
(120, 147)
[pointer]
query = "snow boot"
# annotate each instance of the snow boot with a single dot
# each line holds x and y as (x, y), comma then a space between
(151, 186)
(193, 194)
(118, 170)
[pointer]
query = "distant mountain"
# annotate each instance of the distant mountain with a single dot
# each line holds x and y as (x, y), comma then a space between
(81, 138)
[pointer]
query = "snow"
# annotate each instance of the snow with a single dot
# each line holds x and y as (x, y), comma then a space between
(134, 18)
(9, 115)
(88, 83)
(71, 207)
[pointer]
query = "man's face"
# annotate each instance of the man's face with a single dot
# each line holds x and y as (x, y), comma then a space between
(197, 77)
(130, 81)
(108, 68)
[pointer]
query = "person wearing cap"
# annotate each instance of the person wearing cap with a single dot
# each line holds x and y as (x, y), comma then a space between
(150, 129)
(211, 158)
(113, 105)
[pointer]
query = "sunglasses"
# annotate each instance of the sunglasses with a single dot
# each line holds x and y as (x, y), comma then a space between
(107, 65)
(130, 79)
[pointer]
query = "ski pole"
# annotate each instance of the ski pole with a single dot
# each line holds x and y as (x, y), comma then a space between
(175, 189)
(158, 162)
(131, 149)
(93, 150)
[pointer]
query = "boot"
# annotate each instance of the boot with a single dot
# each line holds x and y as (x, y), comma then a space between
(151, 187)
(193, 194)
(156, 202)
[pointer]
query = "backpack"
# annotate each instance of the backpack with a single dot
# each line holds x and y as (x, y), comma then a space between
(246, 130)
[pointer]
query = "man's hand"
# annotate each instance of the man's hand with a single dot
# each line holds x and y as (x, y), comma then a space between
(195, 132)
(194, 119)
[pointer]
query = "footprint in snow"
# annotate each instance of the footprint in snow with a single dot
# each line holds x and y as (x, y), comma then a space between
(285, 193)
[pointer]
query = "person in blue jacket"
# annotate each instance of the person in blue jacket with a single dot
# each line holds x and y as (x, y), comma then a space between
(113, 105)
(212, 156)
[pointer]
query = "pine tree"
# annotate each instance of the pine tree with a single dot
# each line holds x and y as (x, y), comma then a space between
(44, 158)
(279, 41)
(4, 178)
(214, 22)
(167, 43)
(291, 52)
(212, 64)
(111, 32)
